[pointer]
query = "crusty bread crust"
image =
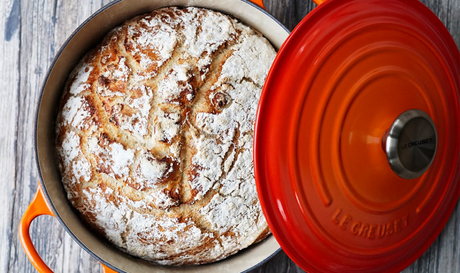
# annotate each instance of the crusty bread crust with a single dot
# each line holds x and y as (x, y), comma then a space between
(155, 131)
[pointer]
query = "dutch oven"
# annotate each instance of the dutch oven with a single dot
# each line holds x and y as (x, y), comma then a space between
(356, 146)
(51, 198)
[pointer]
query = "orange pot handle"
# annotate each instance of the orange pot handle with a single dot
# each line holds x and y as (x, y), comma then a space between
(105, 269)
(318, 2)
(260, 3)
(38, 207)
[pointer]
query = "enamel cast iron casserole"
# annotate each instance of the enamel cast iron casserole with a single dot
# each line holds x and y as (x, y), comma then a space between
(356, 145)
(51, 198)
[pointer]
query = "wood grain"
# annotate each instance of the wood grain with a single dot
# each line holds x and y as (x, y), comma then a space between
(33, 31)
(9, 73)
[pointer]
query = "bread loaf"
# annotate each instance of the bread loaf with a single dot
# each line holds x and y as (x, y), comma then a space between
(155, 131)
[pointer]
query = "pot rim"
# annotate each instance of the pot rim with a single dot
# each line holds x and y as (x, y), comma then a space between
(36, 118)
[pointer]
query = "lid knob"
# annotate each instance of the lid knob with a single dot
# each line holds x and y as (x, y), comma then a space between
(410, 144)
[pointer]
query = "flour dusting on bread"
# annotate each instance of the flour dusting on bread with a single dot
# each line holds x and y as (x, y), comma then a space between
(155, 131)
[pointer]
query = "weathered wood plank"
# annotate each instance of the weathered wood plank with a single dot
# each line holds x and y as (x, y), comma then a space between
(448, 11)
(289, 12)
(9, 85)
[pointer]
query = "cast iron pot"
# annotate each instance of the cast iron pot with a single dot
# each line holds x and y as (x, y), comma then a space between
(337, 185)
(51, 198)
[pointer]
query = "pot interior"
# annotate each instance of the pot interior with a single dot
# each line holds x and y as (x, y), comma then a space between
(84, 38)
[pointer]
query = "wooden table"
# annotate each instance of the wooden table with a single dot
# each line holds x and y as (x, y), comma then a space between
(33, 32)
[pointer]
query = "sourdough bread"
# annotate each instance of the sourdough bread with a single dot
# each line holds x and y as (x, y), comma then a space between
(155, 131)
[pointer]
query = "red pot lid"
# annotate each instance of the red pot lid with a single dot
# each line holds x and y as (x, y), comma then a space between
(357, 136)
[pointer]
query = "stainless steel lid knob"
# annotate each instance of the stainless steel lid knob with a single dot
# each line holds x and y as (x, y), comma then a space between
(410, 144)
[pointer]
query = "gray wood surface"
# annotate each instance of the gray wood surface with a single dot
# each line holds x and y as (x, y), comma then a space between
(33, 31)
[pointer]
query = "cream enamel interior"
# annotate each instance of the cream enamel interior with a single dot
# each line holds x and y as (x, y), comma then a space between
(86, 37)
